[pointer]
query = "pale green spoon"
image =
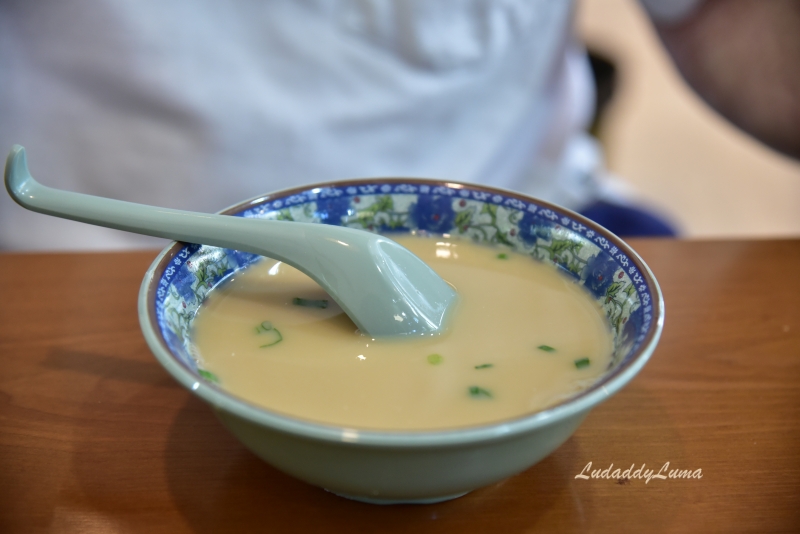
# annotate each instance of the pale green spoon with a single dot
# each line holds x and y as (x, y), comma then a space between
(385, 289)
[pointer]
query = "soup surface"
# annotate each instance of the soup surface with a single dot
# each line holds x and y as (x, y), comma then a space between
(524, 337)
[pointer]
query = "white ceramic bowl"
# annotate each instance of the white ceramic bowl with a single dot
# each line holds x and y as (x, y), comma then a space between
(422, 466)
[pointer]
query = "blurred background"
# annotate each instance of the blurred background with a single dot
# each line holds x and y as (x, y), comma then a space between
(151, 99)
(677, 154)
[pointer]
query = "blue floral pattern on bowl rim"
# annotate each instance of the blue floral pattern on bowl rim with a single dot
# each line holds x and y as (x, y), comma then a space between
(602, 263)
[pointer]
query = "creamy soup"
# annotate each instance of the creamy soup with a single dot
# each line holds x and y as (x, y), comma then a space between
(524, 336)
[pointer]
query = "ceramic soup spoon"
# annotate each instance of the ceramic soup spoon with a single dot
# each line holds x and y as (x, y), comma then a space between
(385, 289)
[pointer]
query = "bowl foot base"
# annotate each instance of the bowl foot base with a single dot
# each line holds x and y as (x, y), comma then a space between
(378, 500)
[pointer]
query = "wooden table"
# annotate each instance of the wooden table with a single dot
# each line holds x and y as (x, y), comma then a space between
(96, 437)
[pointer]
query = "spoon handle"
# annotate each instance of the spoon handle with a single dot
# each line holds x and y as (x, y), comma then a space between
(215, 230)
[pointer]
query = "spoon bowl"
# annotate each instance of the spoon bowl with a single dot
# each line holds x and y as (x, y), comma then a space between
(384, 288)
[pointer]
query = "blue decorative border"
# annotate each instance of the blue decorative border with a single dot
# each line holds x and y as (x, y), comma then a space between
(586, 254)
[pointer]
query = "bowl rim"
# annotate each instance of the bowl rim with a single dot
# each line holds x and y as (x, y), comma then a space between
(576, 405)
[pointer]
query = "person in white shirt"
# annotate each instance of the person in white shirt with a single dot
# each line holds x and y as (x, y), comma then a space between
(200, 104)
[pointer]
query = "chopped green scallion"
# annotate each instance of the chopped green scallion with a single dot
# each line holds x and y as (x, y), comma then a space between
(435, 359)
(484, 366)
(310, 303)
(272, 333)
(502, 256)
(478, 392)
(208, 375)
(266, 326)
(546, 348)
(583, 362)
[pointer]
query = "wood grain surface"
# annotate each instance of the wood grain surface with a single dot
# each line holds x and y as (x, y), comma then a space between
(96, 437)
